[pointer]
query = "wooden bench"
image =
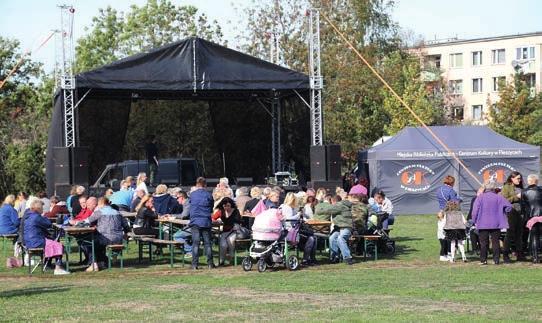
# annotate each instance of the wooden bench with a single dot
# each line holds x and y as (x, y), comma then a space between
(33, 252)
(115, 250)
(6, 238)
(241, 242)
(370, 241)
(172, 244)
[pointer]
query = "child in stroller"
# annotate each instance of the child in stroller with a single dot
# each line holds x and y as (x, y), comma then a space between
(271, 242)
(374, 227)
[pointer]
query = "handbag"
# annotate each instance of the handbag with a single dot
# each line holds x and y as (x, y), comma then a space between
(241, 231)
(12, 262)
(305, 229)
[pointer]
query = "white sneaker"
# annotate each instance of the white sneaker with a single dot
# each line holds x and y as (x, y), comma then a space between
(60, 271)
(443, 258)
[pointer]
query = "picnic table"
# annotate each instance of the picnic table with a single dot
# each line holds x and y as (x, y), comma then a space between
(170, 221)
(319, 226)
(77, 233)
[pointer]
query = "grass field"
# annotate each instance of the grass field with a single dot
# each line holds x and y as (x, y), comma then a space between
(412, 286)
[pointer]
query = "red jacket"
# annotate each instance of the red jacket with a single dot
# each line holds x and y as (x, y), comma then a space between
(83, 215)
(57, 209)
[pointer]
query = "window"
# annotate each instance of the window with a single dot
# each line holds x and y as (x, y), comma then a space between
(456, 86)
(476, 58)
(456, 60)
(499, 80)
(457, 113)
(477, 112)
(477, 86)
(525, 52)
(498, 56)
(530, 79)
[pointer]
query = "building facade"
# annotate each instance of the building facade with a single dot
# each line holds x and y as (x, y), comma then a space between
(474, 69)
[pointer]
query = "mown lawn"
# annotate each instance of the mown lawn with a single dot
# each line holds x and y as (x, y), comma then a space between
(413, 286)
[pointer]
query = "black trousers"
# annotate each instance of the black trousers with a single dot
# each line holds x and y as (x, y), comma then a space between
(198, 234)
(444, 247)
(485, 235)
(535, 233)
(514, 234)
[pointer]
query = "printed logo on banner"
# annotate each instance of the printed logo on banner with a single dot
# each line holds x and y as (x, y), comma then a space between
(495, 172)
(415, 178)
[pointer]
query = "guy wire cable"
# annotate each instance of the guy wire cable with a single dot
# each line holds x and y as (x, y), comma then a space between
(400, 99)
(26, 53)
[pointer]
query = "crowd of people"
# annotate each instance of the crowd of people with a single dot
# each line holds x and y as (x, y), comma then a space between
(511, 215)
(32, 217)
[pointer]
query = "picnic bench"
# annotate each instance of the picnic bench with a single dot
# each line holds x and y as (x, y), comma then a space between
(171, 244)
(5, 238)
(84, 234)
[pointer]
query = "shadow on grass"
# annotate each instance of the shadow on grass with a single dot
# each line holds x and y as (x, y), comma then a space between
(33, 290)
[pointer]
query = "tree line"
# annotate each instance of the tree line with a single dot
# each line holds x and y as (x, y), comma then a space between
(357, 109)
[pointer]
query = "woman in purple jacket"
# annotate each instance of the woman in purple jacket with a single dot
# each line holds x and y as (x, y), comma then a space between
(489, 216)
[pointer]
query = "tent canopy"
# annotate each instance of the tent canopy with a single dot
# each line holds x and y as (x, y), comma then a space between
(411, 166)
(464, 141)
(191, 69)
(193, 65)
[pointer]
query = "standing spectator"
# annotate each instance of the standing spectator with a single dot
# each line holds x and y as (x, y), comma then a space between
(182, 200)
(454, 228)
(489, 216)
(511, 191)
(152, 158)
(73, 193)
(9, 220)
(532, 208)
(201, 207)
(228, 213)
(446, 192)
(20, 203)
(140, 184)
(35, 230)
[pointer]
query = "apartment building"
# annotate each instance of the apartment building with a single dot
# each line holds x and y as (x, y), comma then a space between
(474, 68)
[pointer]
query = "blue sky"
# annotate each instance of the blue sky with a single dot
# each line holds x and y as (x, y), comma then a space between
(30, 21)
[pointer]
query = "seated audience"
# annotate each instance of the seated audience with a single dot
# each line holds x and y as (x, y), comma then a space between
(308, 209)
(145, 218)
(9, 219)
(291, 217)
(35, 230)
(163, 202)
(87, 207)
(20, 203)
(122, 198)
(241, 198)
(57, 207)
(110, 227)
(228, 213)
(380, 203)
(74, 202)
(138, 195)
(340, 215)
(46, 201)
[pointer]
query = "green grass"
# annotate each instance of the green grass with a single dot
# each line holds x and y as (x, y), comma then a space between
(412, 286)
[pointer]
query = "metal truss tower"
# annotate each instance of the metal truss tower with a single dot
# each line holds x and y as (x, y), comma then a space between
(316, 80)
(65, 76)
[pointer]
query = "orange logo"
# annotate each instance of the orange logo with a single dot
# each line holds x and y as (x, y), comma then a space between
(495, 172)
(414, 178)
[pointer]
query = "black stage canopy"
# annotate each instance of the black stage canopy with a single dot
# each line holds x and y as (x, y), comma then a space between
(190, 69)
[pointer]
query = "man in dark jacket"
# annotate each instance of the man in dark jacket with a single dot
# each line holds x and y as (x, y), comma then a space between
(531, 198)
(201, 207)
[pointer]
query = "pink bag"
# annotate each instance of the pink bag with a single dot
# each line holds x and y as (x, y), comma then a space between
(12, 262)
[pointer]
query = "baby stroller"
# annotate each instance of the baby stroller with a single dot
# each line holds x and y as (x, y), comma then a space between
(270, 243)
(374, 226)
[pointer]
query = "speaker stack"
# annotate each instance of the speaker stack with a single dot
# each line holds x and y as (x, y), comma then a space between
(70, 168)
(326, 166)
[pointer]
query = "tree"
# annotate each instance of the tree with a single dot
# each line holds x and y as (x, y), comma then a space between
(518, 113)
(404, 72)
(353, 112)
(115, 35)
(25, 111)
